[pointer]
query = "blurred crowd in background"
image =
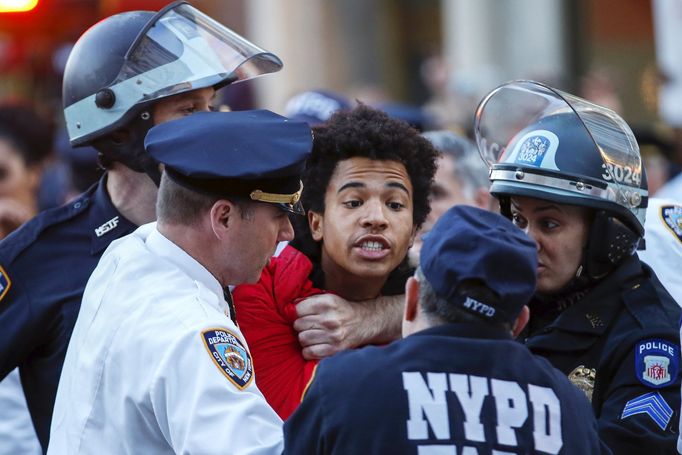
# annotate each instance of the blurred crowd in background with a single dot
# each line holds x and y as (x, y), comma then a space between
(426, 62)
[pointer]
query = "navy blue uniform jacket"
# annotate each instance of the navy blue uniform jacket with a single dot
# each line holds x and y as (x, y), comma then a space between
(46, 264)
(626, 331)
(445, 388)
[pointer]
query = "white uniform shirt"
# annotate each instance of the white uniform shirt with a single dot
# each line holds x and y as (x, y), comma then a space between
(154, 365)
(663, 238)
(16, 428)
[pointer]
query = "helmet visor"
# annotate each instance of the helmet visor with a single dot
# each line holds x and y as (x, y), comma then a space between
(181, 49)
(530, 134)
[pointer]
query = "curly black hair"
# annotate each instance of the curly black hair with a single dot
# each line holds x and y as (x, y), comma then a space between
(368, 133)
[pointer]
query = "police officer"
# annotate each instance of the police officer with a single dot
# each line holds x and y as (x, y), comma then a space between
(569, 173)
(126, 73)
(457, 382)
(154, 364)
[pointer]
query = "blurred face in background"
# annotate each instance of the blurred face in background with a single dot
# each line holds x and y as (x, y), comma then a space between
(446, 192)
(18, 180)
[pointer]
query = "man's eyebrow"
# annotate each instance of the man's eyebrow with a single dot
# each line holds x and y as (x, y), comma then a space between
(351, 185)
(399, 186)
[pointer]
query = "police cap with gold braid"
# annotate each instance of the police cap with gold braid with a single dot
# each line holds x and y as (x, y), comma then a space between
(257, 155)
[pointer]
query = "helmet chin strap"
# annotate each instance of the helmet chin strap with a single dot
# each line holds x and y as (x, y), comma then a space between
(127, 147)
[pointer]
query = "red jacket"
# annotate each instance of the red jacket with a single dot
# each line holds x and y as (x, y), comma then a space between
(266, 312)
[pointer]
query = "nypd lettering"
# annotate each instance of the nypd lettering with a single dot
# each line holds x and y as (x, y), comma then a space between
(229, 355)
(5, 283)
(672, 217)
(656, 362)
(478, 307)
(651, 404)
(514, 406)
(106, 227)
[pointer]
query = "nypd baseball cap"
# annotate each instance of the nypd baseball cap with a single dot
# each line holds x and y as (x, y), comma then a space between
(468, 243)
(257, 155)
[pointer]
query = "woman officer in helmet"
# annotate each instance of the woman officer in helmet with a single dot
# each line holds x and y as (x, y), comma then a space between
(569, 174)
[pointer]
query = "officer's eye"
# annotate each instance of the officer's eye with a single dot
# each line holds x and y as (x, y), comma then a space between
(518, 220)
(395, 206)
(549, 224)
(352, 204)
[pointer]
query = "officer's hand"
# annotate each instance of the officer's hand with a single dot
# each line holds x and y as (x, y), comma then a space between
(328, 323)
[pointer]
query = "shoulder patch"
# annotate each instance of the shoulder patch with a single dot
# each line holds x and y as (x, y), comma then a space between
(672, 218)
(651, 404)
(229, 355)
(5, 283)
(656, 362)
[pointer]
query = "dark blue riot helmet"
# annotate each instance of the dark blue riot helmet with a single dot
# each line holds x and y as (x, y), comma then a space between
(123, 64)
(546, 144)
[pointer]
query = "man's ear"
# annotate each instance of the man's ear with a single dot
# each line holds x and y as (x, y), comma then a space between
(316, 223)
(521, 321)
(411, 299)
(222, 214)
(413, 235)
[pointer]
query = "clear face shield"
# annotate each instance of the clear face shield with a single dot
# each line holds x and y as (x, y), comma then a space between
(533, 136)
(181, 49)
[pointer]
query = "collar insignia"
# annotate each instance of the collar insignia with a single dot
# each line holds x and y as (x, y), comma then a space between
(106, 227)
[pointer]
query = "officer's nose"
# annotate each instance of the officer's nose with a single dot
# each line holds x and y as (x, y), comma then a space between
(533, 234)
(286, 231)
(374, 216)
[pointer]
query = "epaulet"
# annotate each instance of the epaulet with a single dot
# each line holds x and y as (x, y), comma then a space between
(15, 243)
(650, 304)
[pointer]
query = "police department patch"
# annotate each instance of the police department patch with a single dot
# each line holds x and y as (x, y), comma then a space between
(230, 355)
(5, 283)
(656, 362)
(672, 217)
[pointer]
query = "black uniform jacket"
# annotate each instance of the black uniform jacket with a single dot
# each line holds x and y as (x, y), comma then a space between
(621, 343)
(45, 266)
(454, 388)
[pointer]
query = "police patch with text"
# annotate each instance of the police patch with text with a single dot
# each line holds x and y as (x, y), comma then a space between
(656, 362)
(230, 356)
(5, 283)
(672, 217)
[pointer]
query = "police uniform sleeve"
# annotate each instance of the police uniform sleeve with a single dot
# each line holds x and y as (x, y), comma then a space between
(205, 398)
(641, 406)
(17, 324)
(304, 430)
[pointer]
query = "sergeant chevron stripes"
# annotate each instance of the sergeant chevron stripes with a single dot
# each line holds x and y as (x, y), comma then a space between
(652, 404)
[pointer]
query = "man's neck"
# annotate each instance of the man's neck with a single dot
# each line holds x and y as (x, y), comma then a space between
(132, 193)
(350, 287)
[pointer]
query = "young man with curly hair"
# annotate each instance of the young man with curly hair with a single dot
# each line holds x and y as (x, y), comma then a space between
(366, 184)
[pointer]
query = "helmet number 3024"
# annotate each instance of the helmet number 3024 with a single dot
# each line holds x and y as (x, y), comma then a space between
(621, 174)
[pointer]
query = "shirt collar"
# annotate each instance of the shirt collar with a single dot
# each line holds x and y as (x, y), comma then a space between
(165, 248)
(106, 224)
